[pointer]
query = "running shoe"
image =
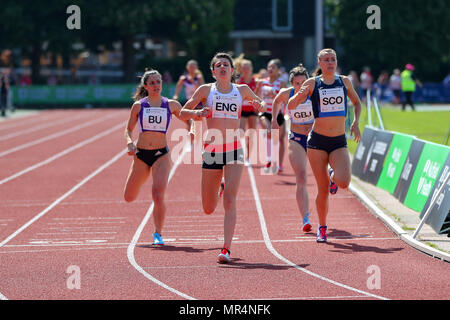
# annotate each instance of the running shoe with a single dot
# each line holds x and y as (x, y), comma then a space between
(157, 239)
(222, 187)
(280, 169)
(224, 256)
(333, 186)
(306, 223)
(268, 164)
(322, 234)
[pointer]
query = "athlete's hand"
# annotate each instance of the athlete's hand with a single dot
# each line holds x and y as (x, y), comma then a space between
(258, 105)
(131, 149)
(204, 112)
(354, 130)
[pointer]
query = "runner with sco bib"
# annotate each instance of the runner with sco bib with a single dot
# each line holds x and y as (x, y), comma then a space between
(327, 144)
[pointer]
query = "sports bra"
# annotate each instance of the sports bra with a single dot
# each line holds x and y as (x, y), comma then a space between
(154, 118)
(329, 100)
(303, 112)
(224, 105)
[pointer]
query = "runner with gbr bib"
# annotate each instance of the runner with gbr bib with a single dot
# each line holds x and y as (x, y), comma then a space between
(301, 119)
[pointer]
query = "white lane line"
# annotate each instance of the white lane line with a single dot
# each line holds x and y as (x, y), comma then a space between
(60, 154)
(64, 196)
(42, 126)
(25, 120)
(311, 298)
(269, 246)
(132, 245)
(56, 135)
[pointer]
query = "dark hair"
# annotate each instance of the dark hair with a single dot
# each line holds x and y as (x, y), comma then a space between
(140, 90)
(224, 55)
(298, 71)
(277, 62)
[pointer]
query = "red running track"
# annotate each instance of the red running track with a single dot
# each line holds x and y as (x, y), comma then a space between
(62, 210)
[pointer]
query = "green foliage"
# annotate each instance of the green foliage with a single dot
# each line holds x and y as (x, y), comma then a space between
(413, 31)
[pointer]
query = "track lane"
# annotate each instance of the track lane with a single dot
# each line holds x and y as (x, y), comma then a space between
(92, 229)
(357, 243)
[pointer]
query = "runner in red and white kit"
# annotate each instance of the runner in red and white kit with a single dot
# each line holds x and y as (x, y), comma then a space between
(249, 116)
(190, 80)
(267, 89)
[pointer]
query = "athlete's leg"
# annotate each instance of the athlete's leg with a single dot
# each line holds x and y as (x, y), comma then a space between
(340, 163)
(282, 145)
(318, 159)
(232, 174)
(160, 173)
(297, 158)
(138, 174)
(211, 179)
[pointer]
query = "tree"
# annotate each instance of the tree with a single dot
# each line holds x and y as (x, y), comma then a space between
(414, 31)
(34, 29)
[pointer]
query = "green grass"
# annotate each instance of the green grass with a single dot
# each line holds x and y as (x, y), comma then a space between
(430, 126)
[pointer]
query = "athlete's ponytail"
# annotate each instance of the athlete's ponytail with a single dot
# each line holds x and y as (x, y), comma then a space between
(317, 72)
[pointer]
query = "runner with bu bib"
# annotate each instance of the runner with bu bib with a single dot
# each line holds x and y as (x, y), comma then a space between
(152, 113)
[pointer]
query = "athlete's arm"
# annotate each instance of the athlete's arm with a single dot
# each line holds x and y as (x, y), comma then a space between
(280, 98)
(200, 95)
(132, 121)
(248, 94)
(175, 108)
(351, 93)
(178, 87)
(305, 91)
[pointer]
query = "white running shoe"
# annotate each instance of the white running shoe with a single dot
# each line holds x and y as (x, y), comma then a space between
(224, 256)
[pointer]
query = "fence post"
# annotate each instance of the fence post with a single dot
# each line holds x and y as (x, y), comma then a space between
(432, 202)
(369, 111)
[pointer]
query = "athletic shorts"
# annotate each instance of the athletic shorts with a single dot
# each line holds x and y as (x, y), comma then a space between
(299, 138)
(150, 156)
(328, 144)
(216, 157)
(268, 115)
(246, 114)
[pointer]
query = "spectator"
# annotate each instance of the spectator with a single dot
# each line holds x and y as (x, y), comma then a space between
(382, 85)
(353, 76)
(167, 78)
(52, 80)
(446, 84)
(4, 89)
(409, 82)
(25, 79)
(366, 83)
(395, 84)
